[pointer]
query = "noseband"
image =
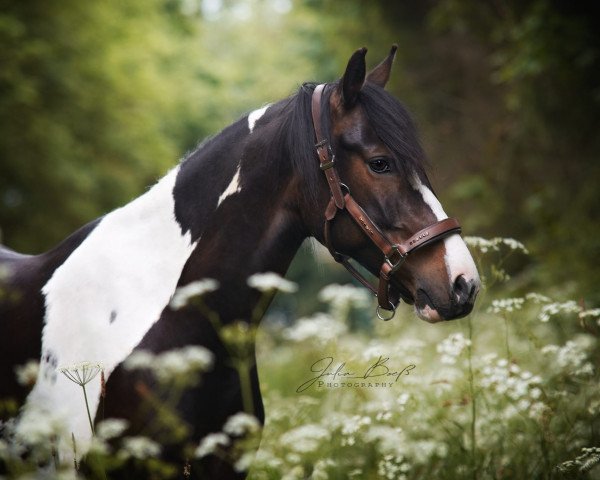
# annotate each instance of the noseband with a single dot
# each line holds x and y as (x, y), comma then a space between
(394, 253)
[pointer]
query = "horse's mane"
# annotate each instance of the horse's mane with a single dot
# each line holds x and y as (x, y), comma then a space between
(395, 128)
(294, 138)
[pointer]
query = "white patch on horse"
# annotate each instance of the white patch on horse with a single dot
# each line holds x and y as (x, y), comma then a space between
(458, 259)
(232, 188)
(255, 115)
(130, 264)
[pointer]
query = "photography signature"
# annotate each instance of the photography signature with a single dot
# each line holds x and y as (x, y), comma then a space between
(378, 370)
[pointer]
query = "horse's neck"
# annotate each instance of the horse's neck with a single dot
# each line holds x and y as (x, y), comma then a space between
(243, 226)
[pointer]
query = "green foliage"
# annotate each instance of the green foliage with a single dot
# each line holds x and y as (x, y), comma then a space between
(82, 112)
(542, 61)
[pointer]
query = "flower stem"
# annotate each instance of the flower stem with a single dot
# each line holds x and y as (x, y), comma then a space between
(473, 401)
(506, 337)
(87, 407)
(245, 386)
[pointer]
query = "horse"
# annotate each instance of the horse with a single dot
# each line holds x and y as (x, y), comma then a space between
(340, 162)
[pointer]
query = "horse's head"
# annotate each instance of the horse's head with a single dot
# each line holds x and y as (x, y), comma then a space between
(379, 160)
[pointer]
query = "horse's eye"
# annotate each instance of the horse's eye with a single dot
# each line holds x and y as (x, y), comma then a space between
(379, 165)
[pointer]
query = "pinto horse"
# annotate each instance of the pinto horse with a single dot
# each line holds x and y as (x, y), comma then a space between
(240, 204)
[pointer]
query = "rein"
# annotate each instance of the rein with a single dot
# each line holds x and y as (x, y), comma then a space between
(394, 253)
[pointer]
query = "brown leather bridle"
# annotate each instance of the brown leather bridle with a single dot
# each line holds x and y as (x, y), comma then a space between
(394, 253)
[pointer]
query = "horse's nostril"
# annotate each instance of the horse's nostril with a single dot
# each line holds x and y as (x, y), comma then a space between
(462, 289)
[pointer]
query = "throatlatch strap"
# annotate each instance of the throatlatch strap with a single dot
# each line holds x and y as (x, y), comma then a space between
(326, 157)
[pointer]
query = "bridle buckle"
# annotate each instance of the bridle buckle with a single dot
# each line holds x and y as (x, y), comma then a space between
(395, 266)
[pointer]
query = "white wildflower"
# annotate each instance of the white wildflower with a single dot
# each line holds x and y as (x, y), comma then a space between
(306, 438)
(391, 467)
(506, 305)
(535, 393)
(38, 426)
(390, 439)
(183, 295)
(296, 473)
(110, 428)
(572, 356)
(593, 313)
(354, 424)
(243, 463)
(451, 347)
(182, 361)
(172, 363)
(240, 424)
(537, 298)
(211, 443)
(81, 373)
(493, 245)
(552, 309)
(403, 399)
(481, 244)
(321, 327)
(27, 374)
(424, 451)
(139, 447)
(513, 244)
(139, 359)
(344, 296)
(537, 410)
(269, 281)
(320, 470)
(98, 446)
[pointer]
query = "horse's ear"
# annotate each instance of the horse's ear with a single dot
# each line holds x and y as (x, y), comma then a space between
(381, 73)
(354, 77)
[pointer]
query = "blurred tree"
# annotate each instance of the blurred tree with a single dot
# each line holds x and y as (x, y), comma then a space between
(86, 112)
(543, 59)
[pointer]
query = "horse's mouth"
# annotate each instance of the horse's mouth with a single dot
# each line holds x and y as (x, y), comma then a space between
(400, 292)
(425, 308)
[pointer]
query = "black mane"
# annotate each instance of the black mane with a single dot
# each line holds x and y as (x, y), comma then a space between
(294, 139)
(395, 128)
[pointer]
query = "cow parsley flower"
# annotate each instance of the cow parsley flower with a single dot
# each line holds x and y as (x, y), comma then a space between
(269, 281)
(306, 438)
(27, 374)
(211, 444)
(139, 448)
(240, 424)
(81, 373)
(183, 295)
(506, 305)
(493, 245)
(243, 463)
(111, 428)
(537, 298)
(572, 356)
(172, 363)
(343, 296)
(321, 327)
(452, 347)
(552, 309)
(182, 361)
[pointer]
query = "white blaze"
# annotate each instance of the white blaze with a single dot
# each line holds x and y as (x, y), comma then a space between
(105, 297)
(458, 259)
